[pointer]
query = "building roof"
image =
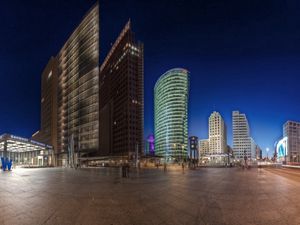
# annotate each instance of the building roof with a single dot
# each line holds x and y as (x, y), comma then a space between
(20, 144)
(173, 71)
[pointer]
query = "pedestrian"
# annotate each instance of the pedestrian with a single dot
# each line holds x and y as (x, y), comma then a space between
(123, 170)
(165, 167)
(182, 164)
(127, 170)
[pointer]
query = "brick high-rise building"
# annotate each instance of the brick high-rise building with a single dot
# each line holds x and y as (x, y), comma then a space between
(121, 102)
(48, 130)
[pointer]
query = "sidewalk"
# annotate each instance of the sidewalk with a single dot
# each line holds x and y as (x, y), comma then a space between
(290, 166)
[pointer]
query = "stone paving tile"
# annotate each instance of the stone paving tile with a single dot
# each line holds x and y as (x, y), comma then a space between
(205, 196)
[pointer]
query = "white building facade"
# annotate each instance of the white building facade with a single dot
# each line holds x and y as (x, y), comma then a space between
(217, 134)
(203, 147)
(291, 132)
(243, 144)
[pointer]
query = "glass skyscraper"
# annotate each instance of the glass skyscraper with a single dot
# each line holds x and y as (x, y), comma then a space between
(171, 94)
(70, 93)
(88, 110)
(78, 90)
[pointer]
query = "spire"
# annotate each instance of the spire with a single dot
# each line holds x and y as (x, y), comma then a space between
(126, 28)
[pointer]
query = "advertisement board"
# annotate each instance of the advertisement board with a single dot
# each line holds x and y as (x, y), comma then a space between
(282, 148)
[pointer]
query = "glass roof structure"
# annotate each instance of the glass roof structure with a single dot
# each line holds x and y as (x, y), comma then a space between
(19, 144)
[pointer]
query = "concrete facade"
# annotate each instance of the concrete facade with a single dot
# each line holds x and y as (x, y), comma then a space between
(291, 130)
(243, 144)
(217, 134)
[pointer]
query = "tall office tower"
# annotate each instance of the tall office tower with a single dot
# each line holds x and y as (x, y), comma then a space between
(243, 144)
(121, 97)
(203, 147)
(253, 148)
(171, 94)
(78, 90)
(217, 134)
(48, 130)
(258, 152)
(290, 142)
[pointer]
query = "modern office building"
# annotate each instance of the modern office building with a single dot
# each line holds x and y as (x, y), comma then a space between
(203, 147)
(48, 129)
(243, 144)
(171, 94)
(89, 111)
(193, 143)
(290, 143)
(253, 148)
(214, 150)
(70, 93)
(258, 152)
(121, 97)
(78, 90)
(217, 134)
(25, 152)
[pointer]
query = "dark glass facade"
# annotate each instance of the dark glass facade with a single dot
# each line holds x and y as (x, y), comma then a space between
(121, 101)
(92, 111)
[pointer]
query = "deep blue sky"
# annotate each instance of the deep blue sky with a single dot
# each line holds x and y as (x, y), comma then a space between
(242, 55)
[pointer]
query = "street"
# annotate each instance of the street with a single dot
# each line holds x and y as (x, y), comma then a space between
(101, 196)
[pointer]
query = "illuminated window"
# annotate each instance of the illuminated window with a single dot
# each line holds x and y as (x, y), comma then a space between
(50, 74)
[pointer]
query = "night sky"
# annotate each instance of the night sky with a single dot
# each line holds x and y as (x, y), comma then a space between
(242, 55)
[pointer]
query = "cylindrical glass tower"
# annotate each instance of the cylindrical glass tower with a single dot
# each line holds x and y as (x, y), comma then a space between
(171, 94)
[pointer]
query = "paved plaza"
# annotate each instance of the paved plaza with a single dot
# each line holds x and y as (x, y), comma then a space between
(101, 196)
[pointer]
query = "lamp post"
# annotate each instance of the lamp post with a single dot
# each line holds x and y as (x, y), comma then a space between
(182, 157)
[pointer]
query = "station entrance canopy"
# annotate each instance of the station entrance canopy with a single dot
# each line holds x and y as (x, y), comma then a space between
(25, 151)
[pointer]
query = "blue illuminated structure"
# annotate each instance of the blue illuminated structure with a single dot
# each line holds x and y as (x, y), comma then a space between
(282, 149)
(6, 163)
(150, 150)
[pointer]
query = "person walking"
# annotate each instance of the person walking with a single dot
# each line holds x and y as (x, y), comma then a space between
(123, 170)
(127, 169)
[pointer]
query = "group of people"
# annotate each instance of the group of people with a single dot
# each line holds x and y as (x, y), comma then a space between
(125, 169)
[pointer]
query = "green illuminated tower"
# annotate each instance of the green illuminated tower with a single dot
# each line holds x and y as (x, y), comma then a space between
(171, 94)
